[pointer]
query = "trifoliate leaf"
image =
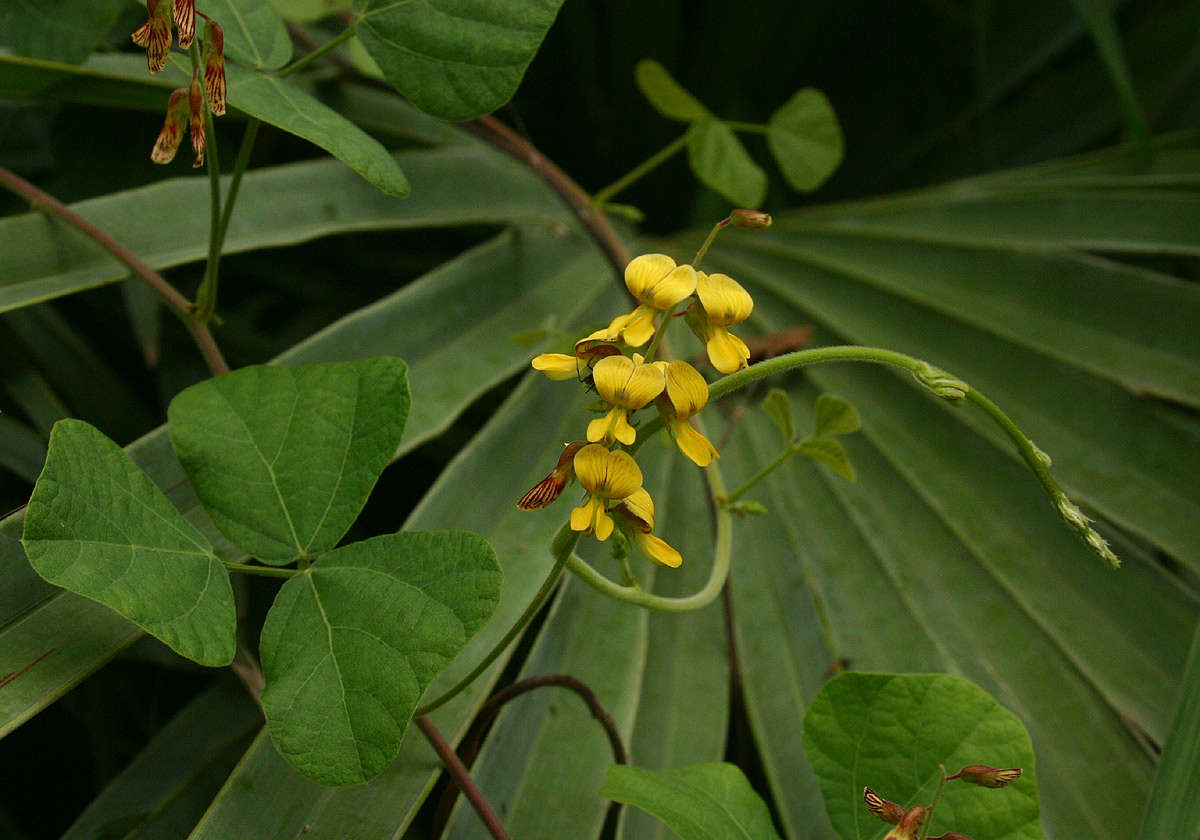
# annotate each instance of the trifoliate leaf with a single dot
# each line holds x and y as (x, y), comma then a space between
(666, 95)
(806, 140)
(835, 416)
(830, 452)
(778, 407)
(721, 162)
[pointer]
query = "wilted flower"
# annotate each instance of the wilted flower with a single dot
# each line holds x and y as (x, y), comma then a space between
(172, 131)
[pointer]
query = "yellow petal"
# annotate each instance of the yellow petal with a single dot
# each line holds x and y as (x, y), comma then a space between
(582, 516)
(621, 428)
(612, 475)
(646, 383)
(668, 291)
(639, 328)
(686, 389)
(646, 270)
(726, 351)
(611, 375)
(557, 366)
(693, 444)
(599, 428)
(640, 507)
(724, 300)
(604, 525)
(658, 550)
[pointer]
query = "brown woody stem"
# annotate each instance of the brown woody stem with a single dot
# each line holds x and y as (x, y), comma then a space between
(460, 776)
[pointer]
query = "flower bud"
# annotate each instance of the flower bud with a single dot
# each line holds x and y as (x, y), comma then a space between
(985, 776)
(155, 34)
(185, 22)
(909, 824)
(214, 67)
(172, 131)
(196, 121)
(887, 811)
(948, 387)
(551, 487)
(750, 219)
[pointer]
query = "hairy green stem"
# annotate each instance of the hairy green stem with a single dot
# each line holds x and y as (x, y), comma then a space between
(687, 603)
(638, 172)
(261, 571)
(760, 475)
(561, 548)
(302, 62)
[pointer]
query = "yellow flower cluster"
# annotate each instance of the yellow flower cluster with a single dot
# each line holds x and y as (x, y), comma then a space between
(627, 383)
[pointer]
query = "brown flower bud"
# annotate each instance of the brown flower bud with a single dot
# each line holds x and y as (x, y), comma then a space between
(172, 131)
(909, 824)
(984, 776)
(155, 34)
(887, 811)
(214, 67)
(551, 487)
(185, 22)
(750, 219)
(196, 121)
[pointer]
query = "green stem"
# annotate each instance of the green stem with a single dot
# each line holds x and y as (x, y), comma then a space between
(561, 548)
(262, 571)
(206, 295)
(928, 824)
(659, 333)
(304, 61)
(712, 234)
(716, 578)
(239, 169)
(760, 475)
(651, 163)
(749, 128)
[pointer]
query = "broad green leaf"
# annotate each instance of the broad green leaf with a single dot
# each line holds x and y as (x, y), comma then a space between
(285, 106)
(890, 732)
(254, 31)
(835, 416)
(700, 802)
(722, 163)
(163, 792)
(1174, 807)
(806, 139)
(284, 458)
(362, 61)
(830, 452)
(305, 11)
(350, 645)
(455, 59)
(778, 407)
(666, 95)
(98, 526)
(56, 30)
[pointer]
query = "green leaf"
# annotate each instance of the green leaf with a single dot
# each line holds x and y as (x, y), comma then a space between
(285, 106)
(284, 458)
(455, 59)
(22, 450)
(830, 452)
(779, 408)
(835, 416)
(349, 645)
(666, 95)
(1098, 17)
(890, 732)
(56, 30)
(1174, 808)
(306, 11)
(98, 526)
(721, 162)
(701, 802)
(254, 31)
(806, 139)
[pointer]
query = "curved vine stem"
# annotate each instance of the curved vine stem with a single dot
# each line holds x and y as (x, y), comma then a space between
(563, 545)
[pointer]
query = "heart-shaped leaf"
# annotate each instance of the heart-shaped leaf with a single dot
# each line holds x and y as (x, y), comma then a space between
(720, 160)
(456, 59)
(701, 802)
(350, 645)
(283, 458)
(666, 95)
(890, 732)
(836, 416)
(806, 139)
(98, 526)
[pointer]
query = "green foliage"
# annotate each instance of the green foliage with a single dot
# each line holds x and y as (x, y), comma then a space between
(835, 416)
(98, 526)
(666, 95)
(351, 643)
(890, 732)
(284, 458)
(1174, 807)
(58, 30)
(456, 59)
(720, 161)
(806, 140)
(309, 10)
(830, 452)
(700, 802)
(778, 407)
(254, 32)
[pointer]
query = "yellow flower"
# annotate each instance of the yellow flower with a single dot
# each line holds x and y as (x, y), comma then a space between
(559, 366)
(606, 476)
(723, 303)
(686, 394)
(638, 510)
(658, 284)
(627, 384)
